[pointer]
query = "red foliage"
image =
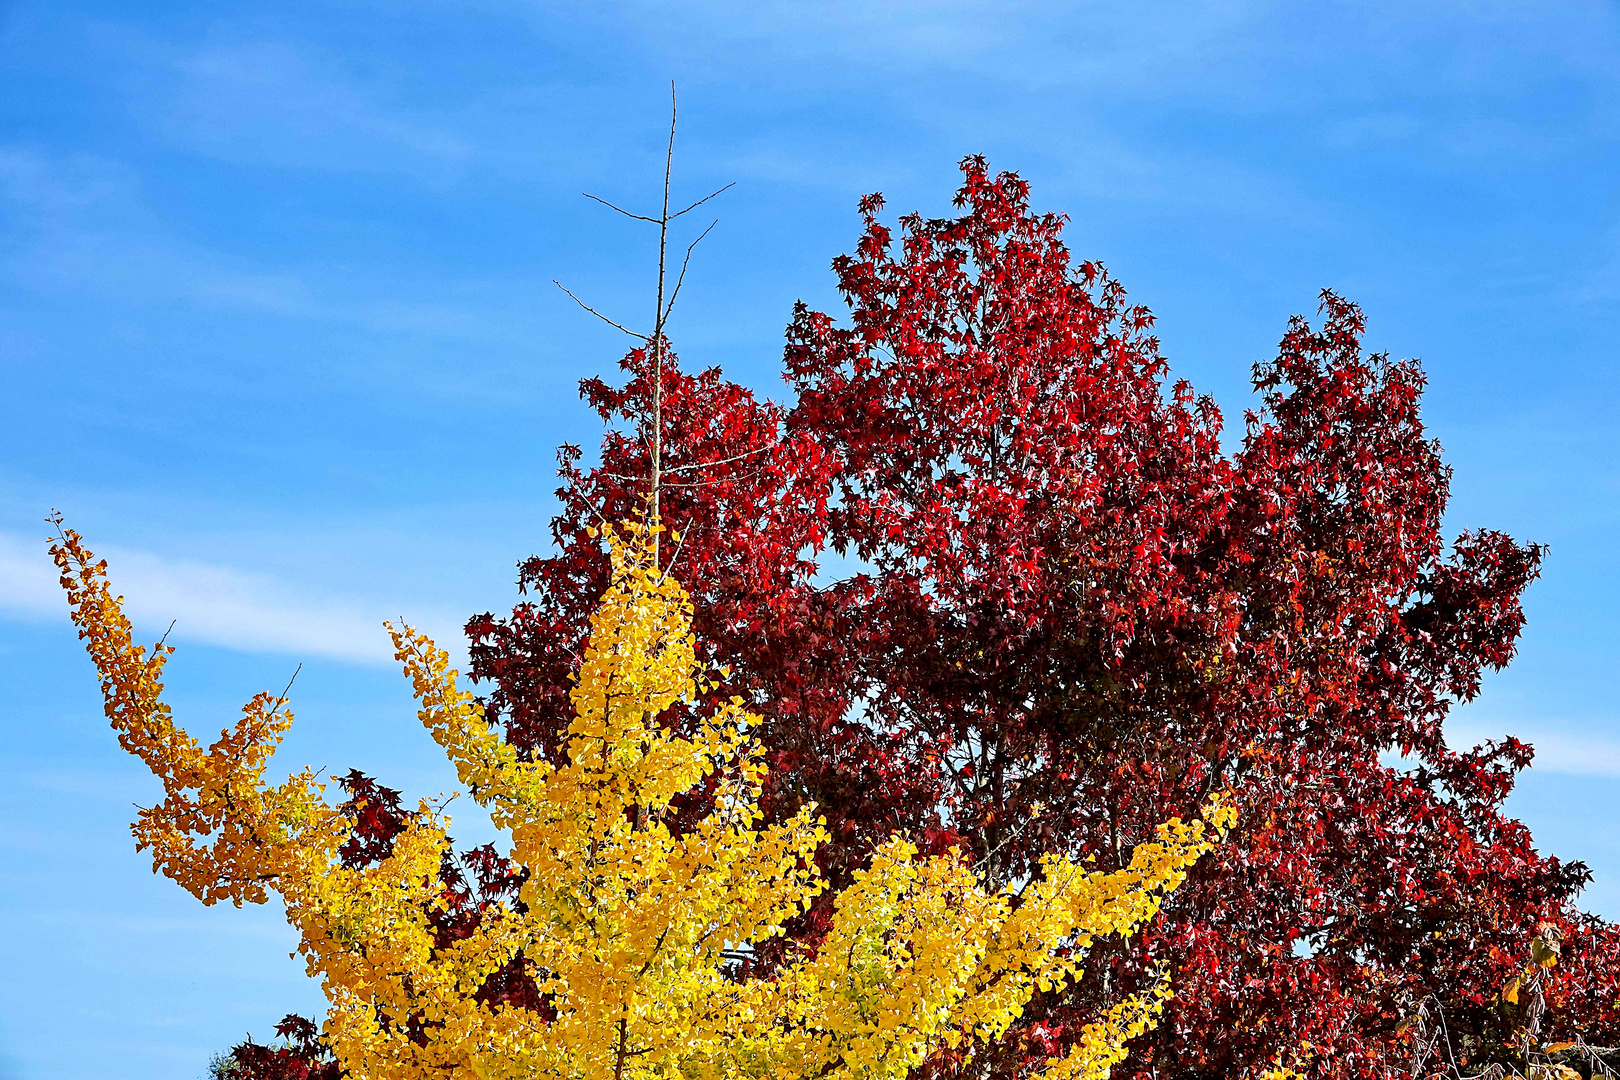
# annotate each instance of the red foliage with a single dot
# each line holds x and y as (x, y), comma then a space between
(472, 881)
(300, 1057)
(993, 581)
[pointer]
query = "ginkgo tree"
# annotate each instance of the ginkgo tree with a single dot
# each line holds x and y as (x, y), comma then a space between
(648, 877)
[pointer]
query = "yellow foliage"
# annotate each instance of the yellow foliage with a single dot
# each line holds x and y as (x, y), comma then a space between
(629, 928)
(1292, 1065)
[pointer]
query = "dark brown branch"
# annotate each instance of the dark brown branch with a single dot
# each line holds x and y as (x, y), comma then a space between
(620, 209)
(703, 200)
(282, 699)
(719, 461)
(681, 278)
(652, 434)
(676, 554)
(598, 314)
(690, 484)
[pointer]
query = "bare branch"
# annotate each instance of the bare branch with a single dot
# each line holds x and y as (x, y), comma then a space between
(656, 342)
(690, 484)
(598, 314)
(286, 689)
(703, 200)
(651, 434)
(282, 698)
(681, 278)
(719, 461)
(620, 209)
(669, 158)
(675, 556)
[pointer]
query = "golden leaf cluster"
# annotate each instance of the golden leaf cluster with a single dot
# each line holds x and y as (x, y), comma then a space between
(629, 927)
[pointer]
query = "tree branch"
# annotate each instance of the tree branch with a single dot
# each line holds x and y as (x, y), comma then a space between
(703, 200)
(620, 209)
(719, 461)
(681, 278)
(598, 314)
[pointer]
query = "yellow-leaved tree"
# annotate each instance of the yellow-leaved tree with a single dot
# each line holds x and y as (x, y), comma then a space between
(628, 926)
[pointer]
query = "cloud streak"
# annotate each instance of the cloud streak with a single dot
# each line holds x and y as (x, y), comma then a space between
(255, 613)
(80, 228)
(218, 605)
(275, 103)
(1227, 49)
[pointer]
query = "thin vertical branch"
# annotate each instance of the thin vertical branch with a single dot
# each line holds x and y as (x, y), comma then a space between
(652, 427)
(658, 338)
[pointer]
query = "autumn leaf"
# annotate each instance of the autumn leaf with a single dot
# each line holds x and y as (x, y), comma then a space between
(606, 948)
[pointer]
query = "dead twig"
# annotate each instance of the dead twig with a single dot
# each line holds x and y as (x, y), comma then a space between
(598, 314)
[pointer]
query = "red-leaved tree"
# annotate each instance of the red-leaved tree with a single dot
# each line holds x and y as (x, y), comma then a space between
(993, 581)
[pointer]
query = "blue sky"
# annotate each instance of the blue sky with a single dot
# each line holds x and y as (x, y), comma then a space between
(278, 335)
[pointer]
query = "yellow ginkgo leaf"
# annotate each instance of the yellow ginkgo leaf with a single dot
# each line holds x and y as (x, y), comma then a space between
(624, 933)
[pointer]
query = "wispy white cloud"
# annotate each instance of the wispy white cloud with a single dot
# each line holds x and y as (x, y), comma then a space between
(1094, 41)
(81, 227)
(80, 224)
(279, 103)
(219, 605)
(1156, 48)
(58, 186)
